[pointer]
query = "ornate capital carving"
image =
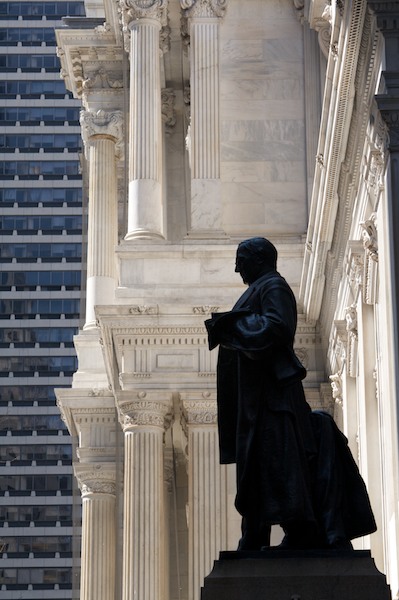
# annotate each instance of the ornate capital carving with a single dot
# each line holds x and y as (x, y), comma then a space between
(201, 410)
(97, 478)
(204, 8)
(145, 412)
(101, 123)
(134, 10)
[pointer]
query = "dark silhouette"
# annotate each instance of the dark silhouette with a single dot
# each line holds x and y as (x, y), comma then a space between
(294, 467)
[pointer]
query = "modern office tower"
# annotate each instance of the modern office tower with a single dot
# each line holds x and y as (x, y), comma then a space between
(40, 227)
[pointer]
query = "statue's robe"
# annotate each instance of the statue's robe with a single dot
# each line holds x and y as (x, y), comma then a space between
(265, 425)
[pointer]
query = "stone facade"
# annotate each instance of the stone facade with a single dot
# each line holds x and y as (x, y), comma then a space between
(206, 122)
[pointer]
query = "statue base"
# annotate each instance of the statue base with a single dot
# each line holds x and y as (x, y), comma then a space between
(282, 574)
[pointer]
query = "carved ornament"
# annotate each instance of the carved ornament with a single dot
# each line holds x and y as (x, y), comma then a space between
(352, 343)
(204, 8)
(134, 10)
(95, 479)
(336, 387)
(168, 108)
(205, 309)
(369, 236)
(102, 79)
(144, 309)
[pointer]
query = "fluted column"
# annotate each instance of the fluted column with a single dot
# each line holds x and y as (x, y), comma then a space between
(204, 137)
(102, 133)
(144, 418)
(97, 485)
(207, 495)
(142, 22)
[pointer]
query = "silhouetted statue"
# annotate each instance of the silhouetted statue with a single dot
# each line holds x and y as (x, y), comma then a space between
(294, 467)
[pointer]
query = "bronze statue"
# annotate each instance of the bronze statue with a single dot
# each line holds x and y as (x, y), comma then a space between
(294, 467)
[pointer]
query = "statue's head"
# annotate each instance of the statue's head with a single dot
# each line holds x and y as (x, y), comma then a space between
(255, 257)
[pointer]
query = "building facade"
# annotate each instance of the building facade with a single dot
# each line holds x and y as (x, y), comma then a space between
(41, 243)
(206, 122)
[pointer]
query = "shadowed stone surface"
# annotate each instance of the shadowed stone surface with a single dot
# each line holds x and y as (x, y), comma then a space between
(278, 574)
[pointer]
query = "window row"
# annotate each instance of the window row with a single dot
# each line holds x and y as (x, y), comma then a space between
(52, 251)
(49, 224)
(28, 365)
(54, 308)
(27, 36)
(47, 453)
(35, 483)
(37, 544)
(46, 280)
(31, 422)
(34, 89)
(36, 141)
(45, 337)
(32, 115)
(37, 578)
(27, 514)
(36, 168)
(25, 395)
(29, 62)
(49, 196)
(38, 9)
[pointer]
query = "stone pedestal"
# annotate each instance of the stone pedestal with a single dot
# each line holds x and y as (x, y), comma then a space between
(302, 575)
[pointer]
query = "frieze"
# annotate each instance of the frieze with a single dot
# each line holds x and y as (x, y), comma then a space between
(204, 8)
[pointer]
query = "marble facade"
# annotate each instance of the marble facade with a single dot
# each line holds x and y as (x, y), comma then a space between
(206, 122)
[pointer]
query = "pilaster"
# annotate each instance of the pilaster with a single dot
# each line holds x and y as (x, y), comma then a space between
(142, 22)
(204, 133)
(144, 417)
(207, 495)
(102, 134)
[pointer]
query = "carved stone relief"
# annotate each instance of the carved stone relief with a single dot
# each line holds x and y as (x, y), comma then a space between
(103, 123)
(204, 8)
(352, 344)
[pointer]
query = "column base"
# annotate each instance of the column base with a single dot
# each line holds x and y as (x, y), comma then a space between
(143, 234)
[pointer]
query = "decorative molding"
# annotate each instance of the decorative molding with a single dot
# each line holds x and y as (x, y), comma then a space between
(105, 124)
(204, 8)
(355, 265)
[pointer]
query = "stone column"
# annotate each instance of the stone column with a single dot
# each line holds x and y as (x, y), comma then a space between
(204, 136)
(142, 21)
(102, 134)
(207, 494)
(144, 418)
(97, 485)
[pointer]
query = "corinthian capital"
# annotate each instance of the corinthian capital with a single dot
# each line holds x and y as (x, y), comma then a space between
(105, 124)
(96, 479)
(145, 411)
(204, 8)
(144, 9)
